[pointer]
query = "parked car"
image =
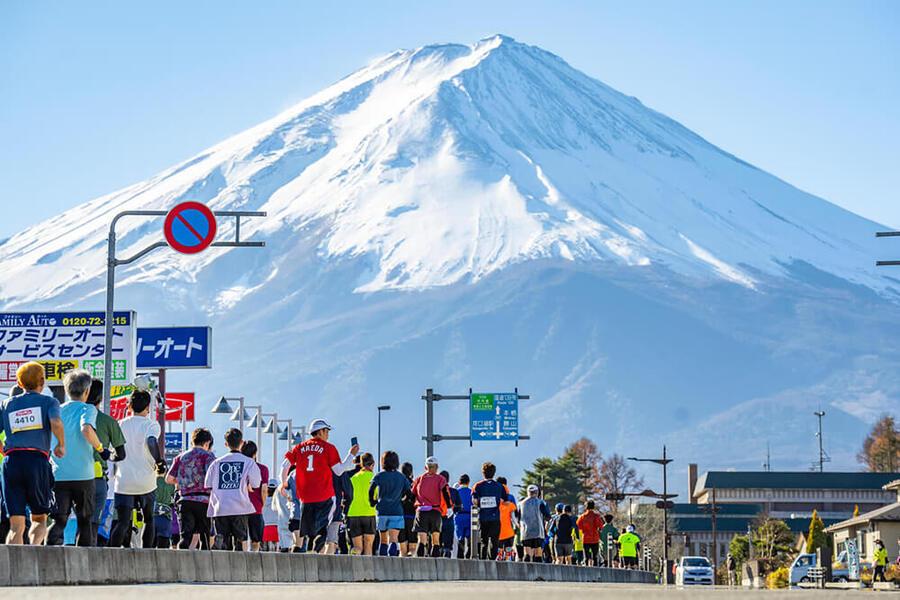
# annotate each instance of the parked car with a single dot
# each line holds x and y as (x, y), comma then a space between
(694, 570)
(840, 571)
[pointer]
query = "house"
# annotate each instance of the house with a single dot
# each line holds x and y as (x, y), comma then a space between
(882, 523)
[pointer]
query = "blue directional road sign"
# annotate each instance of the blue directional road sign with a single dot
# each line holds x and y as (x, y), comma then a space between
(174, 347)
(174, 441)
(493, 417)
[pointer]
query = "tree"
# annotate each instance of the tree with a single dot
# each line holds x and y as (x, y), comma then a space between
(617, 477)
(772, 538)
(739, 548)
(559, 479)
(586, 451)
(816, 537)
(881, 448)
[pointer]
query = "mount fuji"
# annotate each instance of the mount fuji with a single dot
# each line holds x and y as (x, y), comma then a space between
(487, 216)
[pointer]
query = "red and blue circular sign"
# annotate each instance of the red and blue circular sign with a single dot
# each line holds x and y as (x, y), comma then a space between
(190, 227)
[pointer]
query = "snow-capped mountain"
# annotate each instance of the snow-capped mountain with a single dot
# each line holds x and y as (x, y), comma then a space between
(488, 216)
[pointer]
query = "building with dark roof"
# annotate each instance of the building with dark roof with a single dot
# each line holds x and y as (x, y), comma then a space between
(742, 497)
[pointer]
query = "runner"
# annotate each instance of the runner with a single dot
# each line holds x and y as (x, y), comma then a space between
(110, 435)
(298, 542)
(163, 513)
(188, 474)
(361, 513)
(508, 525)
(343, 493)
(488, 494)
(315, 461)
(28, 420)
(462, 517)
(430, 489)
(590, 524)
(629, 547)
(608, 536)
(577, 547)
(448, 530)
(229, 480)
(534, 514)
(563, 540)
(74, 473)
(135, 478)
(407, 535)
(389, 487)
(258, 495)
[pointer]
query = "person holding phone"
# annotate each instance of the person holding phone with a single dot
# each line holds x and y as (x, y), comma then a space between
(315, 461)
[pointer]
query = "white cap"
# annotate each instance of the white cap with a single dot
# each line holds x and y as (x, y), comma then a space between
(431, 461)
(630, 529)
(532, 489)
(317, 424)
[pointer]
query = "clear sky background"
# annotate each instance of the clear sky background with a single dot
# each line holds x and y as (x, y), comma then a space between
(98, 95)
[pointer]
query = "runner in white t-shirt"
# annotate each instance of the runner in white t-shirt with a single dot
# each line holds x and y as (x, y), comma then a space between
(229, 479)
(135, 478)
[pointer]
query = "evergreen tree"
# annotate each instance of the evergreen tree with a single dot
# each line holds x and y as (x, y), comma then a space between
(816, 537)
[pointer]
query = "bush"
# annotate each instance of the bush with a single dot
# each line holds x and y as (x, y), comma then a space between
(778, 579)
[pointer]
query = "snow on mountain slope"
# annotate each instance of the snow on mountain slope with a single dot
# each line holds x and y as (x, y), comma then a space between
(448, 163)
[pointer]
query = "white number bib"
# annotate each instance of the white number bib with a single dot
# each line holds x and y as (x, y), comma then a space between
(26, 419)
(488, 502)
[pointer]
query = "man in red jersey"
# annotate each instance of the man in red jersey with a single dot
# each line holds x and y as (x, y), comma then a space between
(315, 460)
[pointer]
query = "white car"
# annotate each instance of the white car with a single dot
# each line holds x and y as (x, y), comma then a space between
(694, 570)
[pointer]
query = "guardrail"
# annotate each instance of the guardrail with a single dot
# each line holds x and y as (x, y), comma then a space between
(65, 565)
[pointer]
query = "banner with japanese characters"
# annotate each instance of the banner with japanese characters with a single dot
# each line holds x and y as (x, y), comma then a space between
(62, 341)
(174, 347)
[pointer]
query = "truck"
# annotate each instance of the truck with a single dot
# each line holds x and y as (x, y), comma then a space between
(801, 566)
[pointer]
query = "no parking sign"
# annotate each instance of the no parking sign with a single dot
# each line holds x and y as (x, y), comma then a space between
(190, 227)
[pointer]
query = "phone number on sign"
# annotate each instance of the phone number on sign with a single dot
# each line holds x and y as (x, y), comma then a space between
(89, 321)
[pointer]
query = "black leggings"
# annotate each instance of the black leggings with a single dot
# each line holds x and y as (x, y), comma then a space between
(125, 504)
(193, 520)
(78, 495)
(490, 539)
(592, 553)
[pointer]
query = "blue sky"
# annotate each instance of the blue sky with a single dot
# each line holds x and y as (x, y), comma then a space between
(99, 95)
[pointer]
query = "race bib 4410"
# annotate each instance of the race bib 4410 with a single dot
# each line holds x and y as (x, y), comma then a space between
(26, 419)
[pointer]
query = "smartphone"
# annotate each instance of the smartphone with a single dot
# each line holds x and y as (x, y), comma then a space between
(354, 441)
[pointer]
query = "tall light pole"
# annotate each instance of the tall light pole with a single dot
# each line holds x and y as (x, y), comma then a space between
(272, 427)
(664, 461)
(381, 409)
(223, 407)
(820, 414)
(256, 423)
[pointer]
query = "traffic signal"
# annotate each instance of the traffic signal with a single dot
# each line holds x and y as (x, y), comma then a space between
(615, 497)
(665, 504)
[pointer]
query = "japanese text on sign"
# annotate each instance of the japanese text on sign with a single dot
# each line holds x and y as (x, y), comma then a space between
(173, 347)
(494, 417)
(65, 341)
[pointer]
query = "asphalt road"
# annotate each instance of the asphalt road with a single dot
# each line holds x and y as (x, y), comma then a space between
(413, 591)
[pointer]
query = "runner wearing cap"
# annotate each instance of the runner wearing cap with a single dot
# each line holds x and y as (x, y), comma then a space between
(430, 488)
(316, 460)
(534, 513)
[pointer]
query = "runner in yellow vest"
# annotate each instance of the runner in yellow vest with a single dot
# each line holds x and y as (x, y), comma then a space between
(628, 547)
(881, 558)
(361, 514)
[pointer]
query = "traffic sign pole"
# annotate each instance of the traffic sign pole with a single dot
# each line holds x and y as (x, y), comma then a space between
(112, 262)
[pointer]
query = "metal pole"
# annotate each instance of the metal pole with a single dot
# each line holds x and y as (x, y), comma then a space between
(665, 518)
(184, 440)
(429, 422)
(259, 432)
(714, 541)
(820, 414)
(378, 456)
(241, 414)
(161, 414)
(108, 321)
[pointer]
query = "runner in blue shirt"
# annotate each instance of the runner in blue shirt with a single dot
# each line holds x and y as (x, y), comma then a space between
(28, 420)
(488, 494)
(462, 517)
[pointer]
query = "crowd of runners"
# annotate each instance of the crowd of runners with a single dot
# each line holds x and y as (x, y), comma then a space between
(70, 459)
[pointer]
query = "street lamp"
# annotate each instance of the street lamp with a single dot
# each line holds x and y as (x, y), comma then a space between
(272, 427)
(381, 409)
(256, 423)
(223, 407)
(664, 461)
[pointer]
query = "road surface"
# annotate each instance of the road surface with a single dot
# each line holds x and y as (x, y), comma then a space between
(414, 591)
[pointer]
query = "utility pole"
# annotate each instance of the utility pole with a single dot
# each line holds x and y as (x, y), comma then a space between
(664, 461)
(820, 414)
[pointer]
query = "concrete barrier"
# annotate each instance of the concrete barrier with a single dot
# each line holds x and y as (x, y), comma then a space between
(32, 566)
